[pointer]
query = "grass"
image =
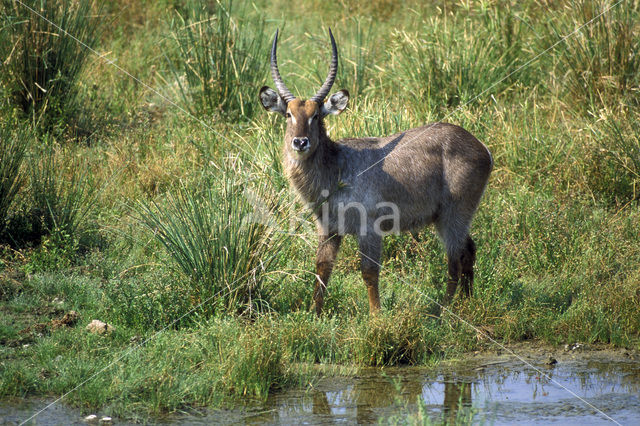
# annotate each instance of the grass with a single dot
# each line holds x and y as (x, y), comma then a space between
(218, 67)
(601, 59)
(63, 194)
(219, 242)
(42, 65)
(556, 231)
(13, 149)
(453, 58)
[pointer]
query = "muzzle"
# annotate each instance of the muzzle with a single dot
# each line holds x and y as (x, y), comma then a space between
(300, 144)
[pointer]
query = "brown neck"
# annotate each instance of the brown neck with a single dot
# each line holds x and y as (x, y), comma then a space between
(318, 172)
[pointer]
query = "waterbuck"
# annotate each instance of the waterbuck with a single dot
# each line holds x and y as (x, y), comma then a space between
(371, 186)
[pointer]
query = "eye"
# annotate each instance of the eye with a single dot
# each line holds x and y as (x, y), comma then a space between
(288, 114)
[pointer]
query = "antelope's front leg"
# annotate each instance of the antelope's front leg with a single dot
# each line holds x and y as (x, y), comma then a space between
(370, 251)
(327, 252)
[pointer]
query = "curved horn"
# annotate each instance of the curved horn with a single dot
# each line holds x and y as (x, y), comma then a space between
(333, 70)
(282, 89)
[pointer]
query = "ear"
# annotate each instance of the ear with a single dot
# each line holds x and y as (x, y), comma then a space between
(336, 103)
(271, 101)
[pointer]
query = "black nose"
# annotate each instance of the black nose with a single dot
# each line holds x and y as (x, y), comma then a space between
(300, 144)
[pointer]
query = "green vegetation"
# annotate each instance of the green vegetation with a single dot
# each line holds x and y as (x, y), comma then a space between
(183, 234)
(41, 65)
(13, 148)
(220, 62)
(212, 233)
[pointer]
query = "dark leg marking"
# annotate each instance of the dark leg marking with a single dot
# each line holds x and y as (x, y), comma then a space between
(454, 278)
(467, 261)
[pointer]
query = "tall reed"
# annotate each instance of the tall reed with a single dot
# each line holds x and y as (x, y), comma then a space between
(218, 241)
(358, 58)
(42, 64)
(63, 191)
(612, 169)
(13, 148)
(598, 65)
(221, 59)
(453, 59)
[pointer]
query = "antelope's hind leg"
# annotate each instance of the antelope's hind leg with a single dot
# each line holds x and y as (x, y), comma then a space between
(453, 231)
(325, 258)
(461, 259)
(454, 267)
(370, 251)
(467, 261)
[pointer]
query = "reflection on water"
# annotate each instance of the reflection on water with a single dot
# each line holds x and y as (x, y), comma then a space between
(494, 391)
(457, 394)
(367, 399)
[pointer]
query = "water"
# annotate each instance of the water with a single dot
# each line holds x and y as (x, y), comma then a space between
(496, 390)
(493, 392)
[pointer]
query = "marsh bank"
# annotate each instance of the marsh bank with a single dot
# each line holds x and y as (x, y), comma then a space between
(575, 384)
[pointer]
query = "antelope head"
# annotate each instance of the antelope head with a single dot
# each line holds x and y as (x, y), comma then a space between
(305, 126)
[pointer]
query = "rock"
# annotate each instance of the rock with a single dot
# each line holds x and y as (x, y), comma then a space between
(91, 418)
(551, 361)
(99, 327)
(105, 420)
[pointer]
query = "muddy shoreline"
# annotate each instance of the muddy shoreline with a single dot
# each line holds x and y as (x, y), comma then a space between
(482, 386)
(538, 353)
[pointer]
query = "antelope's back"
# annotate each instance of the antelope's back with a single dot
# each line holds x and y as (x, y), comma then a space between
(420, 170)
(421, 156)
